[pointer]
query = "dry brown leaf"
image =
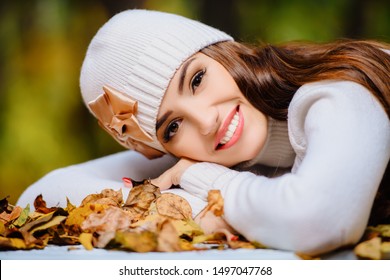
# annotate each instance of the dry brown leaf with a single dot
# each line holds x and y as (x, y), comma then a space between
(40, 205)
(105, 224)
(215, 203)
(7, 217)
(106, 197)
(110, 219)
(173, 206)
(140, 199)
(168, 237)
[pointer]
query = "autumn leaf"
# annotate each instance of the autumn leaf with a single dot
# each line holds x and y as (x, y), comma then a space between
(106, 197)
(168, 237)
(78, 215)
(5, 206)
(69, 206)
(23, 217)
(51, 223)
(86, 240)
(140, 199)
(173, 206)
(187, 227)
(12, 243)
(2, 228)
(40, 205)
(214, 203)
(370, 249)
(106, 223)
(381, 230)
(142, 242)
(14, 214)
(385, 251)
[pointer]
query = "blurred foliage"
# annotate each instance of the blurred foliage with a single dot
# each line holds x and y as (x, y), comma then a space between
(43, 122)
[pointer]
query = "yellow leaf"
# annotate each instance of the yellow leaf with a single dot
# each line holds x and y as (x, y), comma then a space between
(187, 227)
(86, 240)
(385, 251)
(139, 242)
(383, 230)
(78, 215)
(69, 206)
(173, 206)
(12, 243)
(370, 249)
(214, 237)
(2, 228)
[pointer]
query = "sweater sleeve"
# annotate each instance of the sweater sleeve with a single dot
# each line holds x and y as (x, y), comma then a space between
(77, 181)
(341, 136)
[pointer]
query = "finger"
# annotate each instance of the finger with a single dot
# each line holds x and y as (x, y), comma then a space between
(127, 182)
(163, 182)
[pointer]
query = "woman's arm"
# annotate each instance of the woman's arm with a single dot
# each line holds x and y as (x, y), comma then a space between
(341, 135)
(77, 181)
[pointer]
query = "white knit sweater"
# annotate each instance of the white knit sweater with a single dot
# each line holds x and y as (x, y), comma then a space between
(335, 146)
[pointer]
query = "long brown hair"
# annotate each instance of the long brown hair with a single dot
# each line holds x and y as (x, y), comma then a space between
(269, 76)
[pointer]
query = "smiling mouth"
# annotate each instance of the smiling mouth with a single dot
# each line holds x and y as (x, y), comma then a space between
(230, 131)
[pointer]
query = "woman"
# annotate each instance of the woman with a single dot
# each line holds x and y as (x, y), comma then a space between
(296, 137)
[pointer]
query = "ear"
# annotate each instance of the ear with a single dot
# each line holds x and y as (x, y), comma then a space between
(147, 151)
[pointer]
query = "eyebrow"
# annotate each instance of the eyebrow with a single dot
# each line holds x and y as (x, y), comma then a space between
(163, 119)
(184, 73)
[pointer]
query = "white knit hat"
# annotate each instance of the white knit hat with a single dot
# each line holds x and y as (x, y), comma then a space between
(137, 52)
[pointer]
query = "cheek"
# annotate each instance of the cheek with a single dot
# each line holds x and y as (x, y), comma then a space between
(183, 145)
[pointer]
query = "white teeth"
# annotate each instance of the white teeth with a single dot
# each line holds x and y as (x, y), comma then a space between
(231, 129)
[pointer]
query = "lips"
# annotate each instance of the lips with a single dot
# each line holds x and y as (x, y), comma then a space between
(230, 130)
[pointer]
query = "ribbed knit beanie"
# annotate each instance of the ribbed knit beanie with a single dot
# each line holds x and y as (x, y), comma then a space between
(129, 64)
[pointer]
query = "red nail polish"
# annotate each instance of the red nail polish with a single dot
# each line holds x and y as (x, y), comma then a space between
(234, 238)
(127, 182)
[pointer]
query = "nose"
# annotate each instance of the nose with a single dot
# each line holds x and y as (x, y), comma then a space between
(205, 119)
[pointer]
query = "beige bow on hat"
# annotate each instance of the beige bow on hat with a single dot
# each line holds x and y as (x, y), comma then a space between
(116, 112)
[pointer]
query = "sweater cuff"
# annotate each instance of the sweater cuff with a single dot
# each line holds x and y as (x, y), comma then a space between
(199, 178)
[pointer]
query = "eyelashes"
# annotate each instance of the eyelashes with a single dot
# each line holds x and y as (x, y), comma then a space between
(173, 127)
(197, 79)
(171, 130)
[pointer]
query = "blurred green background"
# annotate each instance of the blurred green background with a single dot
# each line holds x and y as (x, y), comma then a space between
(43, 122)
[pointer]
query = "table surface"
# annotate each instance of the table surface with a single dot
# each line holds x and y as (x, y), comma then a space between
(52, 252)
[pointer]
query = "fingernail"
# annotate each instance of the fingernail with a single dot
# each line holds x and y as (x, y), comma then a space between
(127, 182)
(234, 238)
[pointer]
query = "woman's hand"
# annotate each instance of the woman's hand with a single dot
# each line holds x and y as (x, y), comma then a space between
(173, 175)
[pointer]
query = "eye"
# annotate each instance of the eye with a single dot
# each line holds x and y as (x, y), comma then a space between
(171, 130)
(197, 79)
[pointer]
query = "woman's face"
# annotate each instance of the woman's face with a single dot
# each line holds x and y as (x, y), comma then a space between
(205, 117)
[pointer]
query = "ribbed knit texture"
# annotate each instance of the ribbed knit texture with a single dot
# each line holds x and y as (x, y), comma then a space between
(277, 151)
(137, 52)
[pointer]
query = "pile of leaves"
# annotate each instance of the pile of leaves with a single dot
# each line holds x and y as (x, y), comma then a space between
(375, 244)
(148, 221)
